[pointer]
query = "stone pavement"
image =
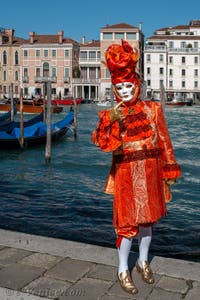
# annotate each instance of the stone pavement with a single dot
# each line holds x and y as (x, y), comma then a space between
(41, 268)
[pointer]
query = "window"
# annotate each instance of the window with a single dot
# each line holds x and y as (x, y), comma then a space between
(148, 57)
(148, 82)
(98, 54)
(170, 83)
(161, 58)
(92, 54)
(53, 53)
(161, 71)
(107, 92)
(4, 75)
(196, 45)
(171, 44)
(16, 75)
(53, 91)
(195, 72)
(66, 52)
(183, 72)
(170, 72)
(148, 70)
(83, 54)
(161, 83)
(45, 69)
(46, 53)
(196, 84)
(66, 72)
(107, 73)
(183, 44)
(183, 84)
(16, 58)
(107, 36)
(25, 53)
(37, 53)
(16, 89)
(53, 72)
(25, 72)
(119, 35)
(92, 73)
(196, 59)
(26, 91)
(4, 58)
(37, 72)
(183, 59)
(170, 59)
(131, 36)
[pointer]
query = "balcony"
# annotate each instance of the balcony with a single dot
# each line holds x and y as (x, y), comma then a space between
(86, 80)
(66, 79)
(41, 79)
(25, 79)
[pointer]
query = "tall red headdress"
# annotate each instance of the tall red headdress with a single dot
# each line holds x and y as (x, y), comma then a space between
(121, 61)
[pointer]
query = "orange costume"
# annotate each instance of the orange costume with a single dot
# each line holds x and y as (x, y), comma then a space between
(143, 157)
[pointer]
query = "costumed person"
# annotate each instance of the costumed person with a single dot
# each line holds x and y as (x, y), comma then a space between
(143, 164)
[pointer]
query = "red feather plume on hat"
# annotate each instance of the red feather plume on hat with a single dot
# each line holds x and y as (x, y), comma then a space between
(121, 61)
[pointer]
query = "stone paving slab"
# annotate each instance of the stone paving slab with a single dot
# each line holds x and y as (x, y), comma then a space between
(194, 292)
(11, 255)
(86, 288)
(47, 287)
(176, 268)
(41, 260)
(16, 276)
(69, 269)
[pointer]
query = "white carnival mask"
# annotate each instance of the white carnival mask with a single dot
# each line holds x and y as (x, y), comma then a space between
(125, 90)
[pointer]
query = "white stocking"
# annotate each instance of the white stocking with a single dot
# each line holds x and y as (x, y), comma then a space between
(123, 254)
(144, 241)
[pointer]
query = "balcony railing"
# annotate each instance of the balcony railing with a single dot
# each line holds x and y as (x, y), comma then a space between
(86, 80)
(25, 79)
(41, 79)
(66, 79)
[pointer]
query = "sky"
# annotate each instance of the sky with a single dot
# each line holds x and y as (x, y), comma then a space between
(78, 18)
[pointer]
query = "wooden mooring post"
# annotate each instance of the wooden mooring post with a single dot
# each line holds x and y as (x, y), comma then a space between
(75, 118)
(21, 137)
(11, 102)
(48, 124)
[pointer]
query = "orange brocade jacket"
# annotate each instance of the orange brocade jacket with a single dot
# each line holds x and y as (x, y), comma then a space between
(143, 158)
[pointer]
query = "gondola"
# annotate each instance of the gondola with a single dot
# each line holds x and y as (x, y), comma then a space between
(6, 117)
(35, 134)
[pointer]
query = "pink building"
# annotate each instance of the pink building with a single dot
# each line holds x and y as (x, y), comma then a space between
(74, 69)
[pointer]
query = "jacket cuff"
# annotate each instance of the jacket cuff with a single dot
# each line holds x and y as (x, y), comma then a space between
(171, 171)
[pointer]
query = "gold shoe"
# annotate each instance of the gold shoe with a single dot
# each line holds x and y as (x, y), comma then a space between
(126, 282)
(146, 272)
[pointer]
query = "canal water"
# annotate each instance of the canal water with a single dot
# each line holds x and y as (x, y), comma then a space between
(65, 199)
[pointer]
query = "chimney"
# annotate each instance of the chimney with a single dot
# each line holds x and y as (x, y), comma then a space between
(83, 40)
(32, 35)
(10, 33)
(60, 37)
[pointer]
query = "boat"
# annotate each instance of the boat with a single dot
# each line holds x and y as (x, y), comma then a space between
(176, 102)
(8, 126)
(67, 101)
(6, 117)
(106, 103)
(35, 134)
(31, 108)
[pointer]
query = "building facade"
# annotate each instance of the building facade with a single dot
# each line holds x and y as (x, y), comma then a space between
(74, 69)
(172, 60)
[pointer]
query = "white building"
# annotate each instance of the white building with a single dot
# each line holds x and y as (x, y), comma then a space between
(172, 58)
